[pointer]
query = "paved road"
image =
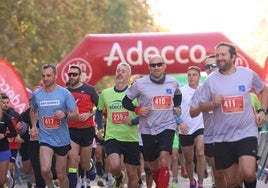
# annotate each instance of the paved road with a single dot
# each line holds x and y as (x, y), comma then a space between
(183, 183)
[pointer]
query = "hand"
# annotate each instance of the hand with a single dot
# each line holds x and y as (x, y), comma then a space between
(177, 111)
(126, 120)
(144, 111)
(33, 132)
(19, 126)
(60, 114)
(261, 119)
(217, 99)
(2, 136)
(100, 134)
(19, 139)
(84, 116)
(184, 129)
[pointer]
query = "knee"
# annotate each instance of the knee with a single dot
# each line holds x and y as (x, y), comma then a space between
(200, 154)
(249, 177)
(73, 161)
(45, 171)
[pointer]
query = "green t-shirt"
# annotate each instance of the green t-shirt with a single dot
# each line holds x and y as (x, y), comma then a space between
(255, 101)
(111, 100)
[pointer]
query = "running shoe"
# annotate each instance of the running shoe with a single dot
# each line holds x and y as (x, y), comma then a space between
(79, 182)
(10, 183)
(140, 183)
(193, 185)
(87, 183)
(101, 182)
(174, 184)
(119, 182)
(92, 171)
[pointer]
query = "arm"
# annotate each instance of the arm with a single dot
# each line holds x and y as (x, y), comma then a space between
(127, 103)
(135, 121)
(139, 110)
(194, 111)
(33, 117)
(98, 119)
(209, 106)
(177, 100)
(261, 116)
(95, 97)
(72, 115)
(12, 130)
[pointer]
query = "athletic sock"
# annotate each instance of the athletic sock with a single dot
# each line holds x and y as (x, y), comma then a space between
(163, 177)
(250, 184)
(155, 175)
(72, 175)
(99, 168)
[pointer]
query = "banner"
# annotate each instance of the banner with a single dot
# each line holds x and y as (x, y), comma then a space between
(99, 54)
(12, 84)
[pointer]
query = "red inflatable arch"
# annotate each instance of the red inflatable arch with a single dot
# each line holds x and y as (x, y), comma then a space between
(98, 54)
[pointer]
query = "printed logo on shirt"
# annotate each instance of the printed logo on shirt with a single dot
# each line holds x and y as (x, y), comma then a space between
(168, 91)
(116, 105)
(241, 88)
(50, 103)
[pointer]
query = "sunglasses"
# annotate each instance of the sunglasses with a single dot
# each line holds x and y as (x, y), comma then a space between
(72, 74)
(213, 65)
(156, 64)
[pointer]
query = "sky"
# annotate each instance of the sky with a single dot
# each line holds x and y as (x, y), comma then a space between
(234, 18)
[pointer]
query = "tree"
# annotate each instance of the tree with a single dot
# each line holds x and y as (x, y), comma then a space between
(35, 32)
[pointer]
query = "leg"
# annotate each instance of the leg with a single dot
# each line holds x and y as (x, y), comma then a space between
(46, 154)
(175, 166)
(188, 152)
(61, 164)
(148, 175)
(219, 178)
(34, 157)
(140, 169)
(200, 158)
(3, 172)
(231, 174)
(85, 157)
(114, 161)
(247, 169)
(132, 175)
(160, 170)
(73, 163)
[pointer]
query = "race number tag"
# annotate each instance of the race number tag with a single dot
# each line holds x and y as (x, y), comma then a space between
(51, 122)
(161, 102)
(233, 104)
(117, 117)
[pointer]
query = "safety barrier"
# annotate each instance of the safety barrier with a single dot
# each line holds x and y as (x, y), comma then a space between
(263, 153)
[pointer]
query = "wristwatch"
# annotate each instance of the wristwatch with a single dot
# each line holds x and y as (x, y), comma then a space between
(262, 110)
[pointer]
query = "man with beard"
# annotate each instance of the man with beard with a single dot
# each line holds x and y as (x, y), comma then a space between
(226, 93)
(121, 136)
(52, 105)
(82, 131)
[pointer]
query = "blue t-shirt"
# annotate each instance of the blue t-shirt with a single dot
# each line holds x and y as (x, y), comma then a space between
(53, 131)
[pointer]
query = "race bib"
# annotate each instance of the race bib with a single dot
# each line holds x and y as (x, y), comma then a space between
(117, 117)
(51, 122)
(233, 104)
(161, 102)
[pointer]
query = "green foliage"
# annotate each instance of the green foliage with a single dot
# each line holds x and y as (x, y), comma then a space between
(36, 32)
